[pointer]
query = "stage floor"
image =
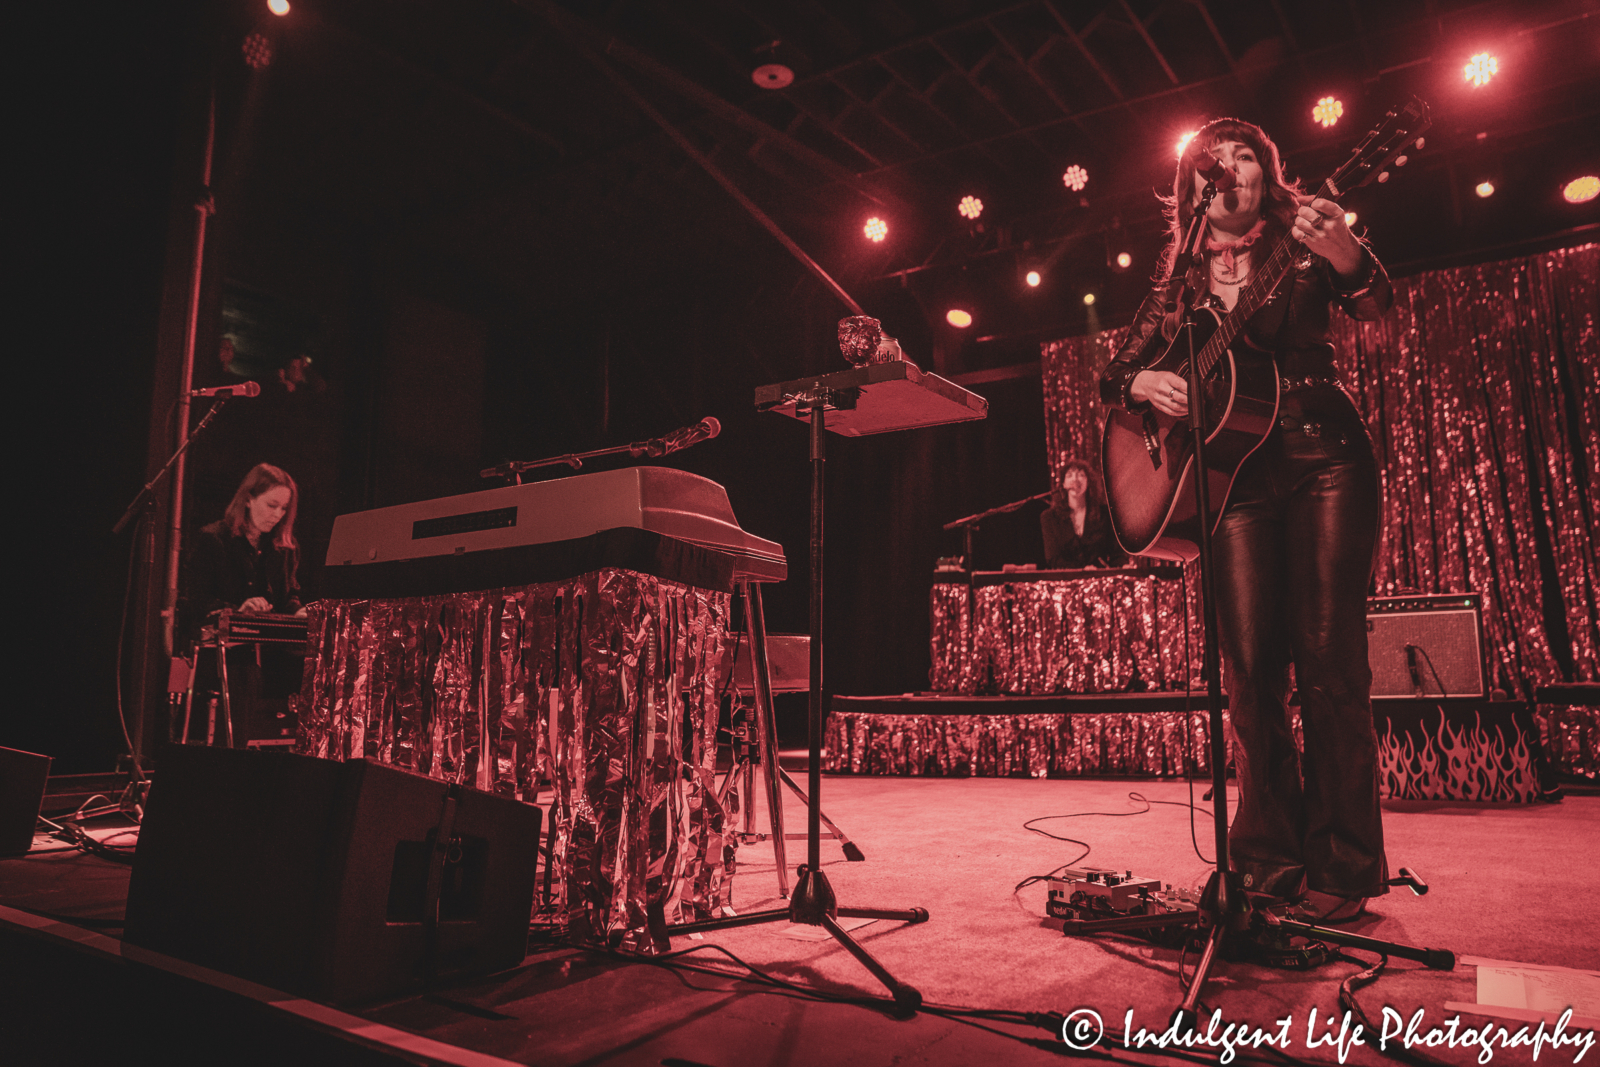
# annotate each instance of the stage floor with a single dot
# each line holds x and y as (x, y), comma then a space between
(1509, 883)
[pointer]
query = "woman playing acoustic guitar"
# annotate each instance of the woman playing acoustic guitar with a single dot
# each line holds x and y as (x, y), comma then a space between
(1294, 546)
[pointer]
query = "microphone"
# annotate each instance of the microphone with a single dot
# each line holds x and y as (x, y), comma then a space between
(683, 437)
(1413, 670)
(243, 389)
(1211, 169)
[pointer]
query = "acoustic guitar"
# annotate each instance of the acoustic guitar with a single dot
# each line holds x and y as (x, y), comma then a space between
(1148, 458)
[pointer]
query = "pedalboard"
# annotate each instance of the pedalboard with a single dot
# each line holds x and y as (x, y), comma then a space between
(1095, 893)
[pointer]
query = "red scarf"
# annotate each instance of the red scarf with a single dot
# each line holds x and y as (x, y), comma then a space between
(1226, 252)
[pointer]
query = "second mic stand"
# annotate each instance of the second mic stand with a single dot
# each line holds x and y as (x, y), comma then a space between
(814, 902)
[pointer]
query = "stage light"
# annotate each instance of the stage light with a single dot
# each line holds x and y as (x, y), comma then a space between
(278, 7)
(876, 230)
(257, 51)
(958, 318)
(1034, 278)
(1327, 111)
(1075, 178)
(970, 207)
(1582, 190)
(1484, 190)
(1183, 142)
(1349, 218)
(1480, 68)
(1124, 260)
(1088, 301)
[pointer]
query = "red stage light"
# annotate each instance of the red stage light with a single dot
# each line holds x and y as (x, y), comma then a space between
(875, 229)
(1327, 111)
(1582, 190)
(1484, 189)
(970, 207)
(257, 51)
(1034, 278)
(1480, 68)
(1125, 261)
(1183, 142)
(958, 318)
(278, 7)
(1075, 178)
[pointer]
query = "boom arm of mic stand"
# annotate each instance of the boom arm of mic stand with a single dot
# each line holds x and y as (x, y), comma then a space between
(973, 520)
(146, 496)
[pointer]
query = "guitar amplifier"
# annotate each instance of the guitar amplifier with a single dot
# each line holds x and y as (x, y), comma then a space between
(1426, 645)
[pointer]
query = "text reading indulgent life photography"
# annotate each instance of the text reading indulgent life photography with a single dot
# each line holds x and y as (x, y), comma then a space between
(1083, 1029)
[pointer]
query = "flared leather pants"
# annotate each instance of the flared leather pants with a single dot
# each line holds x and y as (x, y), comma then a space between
(1294, 555)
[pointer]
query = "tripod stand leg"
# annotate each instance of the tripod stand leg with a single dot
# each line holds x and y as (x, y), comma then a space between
(851, 851)
(766, 728)
(905, 997)
(1187, 1016)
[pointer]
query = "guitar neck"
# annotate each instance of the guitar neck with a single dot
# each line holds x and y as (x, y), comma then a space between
(1254, 295)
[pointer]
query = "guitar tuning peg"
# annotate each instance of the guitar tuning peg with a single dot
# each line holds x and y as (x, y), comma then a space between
(1418, 143)
(1400, 161)
(1383, 176)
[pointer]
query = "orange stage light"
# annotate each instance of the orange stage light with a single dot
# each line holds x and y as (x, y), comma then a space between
(1582, 190)
(970, 207)
(1088, 299)
(875, 229)
(1183, 142)
(1075, 178)
(1124, 260)
(278, 7)
(958, 318)
(1033, 278)
(1484, 189)
(1327, 111)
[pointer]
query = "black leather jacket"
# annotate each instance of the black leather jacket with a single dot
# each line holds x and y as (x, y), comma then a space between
(1298, 339)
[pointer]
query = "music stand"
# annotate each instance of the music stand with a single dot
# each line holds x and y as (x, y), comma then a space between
(879, 398)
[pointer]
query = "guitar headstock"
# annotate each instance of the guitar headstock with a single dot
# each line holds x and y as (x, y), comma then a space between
(1399, 129)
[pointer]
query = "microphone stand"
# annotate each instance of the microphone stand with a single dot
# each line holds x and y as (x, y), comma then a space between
(514, 468)
(143, 507)
(1224, 909)
(969, 528)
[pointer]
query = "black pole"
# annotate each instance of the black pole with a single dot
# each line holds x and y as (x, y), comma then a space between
(814, 770)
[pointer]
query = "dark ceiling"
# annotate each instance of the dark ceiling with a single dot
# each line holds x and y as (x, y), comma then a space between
(511, 137)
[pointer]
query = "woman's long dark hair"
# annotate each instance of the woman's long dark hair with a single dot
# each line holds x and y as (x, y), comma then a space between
(1095, 492)
(262, 477)
(1282, 197)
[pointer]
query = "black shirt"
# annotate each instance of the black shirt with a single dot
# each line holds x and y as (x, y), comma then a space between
(224, 570)
(1063, 547)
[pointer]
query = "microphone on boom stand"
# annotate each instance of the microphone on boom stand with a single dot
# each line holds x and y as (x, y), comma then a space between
(678, 439)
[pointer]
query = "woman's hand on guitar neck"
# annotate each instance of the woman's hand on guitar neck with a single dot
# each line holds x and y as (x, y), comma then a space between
(1166, 392)
(1319, 225)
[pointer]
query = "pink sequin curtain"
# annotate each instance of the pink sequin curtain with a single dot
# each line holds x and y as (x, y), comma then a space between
(1482, 391)
(605, 684)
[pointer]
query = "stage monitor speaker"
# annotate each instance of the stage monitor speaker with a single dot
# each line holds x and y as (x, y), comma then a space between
(323, 878)
(23, 777)
(1426, 646)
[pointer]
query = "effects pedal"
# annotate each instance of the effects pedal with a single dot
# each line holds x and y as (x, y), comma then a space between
(1095, 893)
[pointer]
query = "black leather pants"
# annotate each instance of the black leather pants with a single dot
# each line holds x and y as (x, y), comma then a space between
(1294, 554)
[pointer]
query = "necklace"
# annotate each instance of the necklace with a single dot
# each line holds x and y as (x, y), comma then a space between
(1231, 273)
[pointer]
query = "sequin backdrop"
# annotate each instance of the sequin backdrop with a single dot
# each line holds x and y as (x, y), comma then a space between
(1482, 392)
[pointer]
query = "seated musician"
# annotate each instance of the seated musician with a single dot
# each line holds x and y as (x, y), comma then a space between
(248, 562)
(1076, 525)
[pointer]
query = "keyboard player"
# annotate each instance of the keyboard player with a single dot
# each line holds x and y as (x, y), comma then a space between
(248, 562)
